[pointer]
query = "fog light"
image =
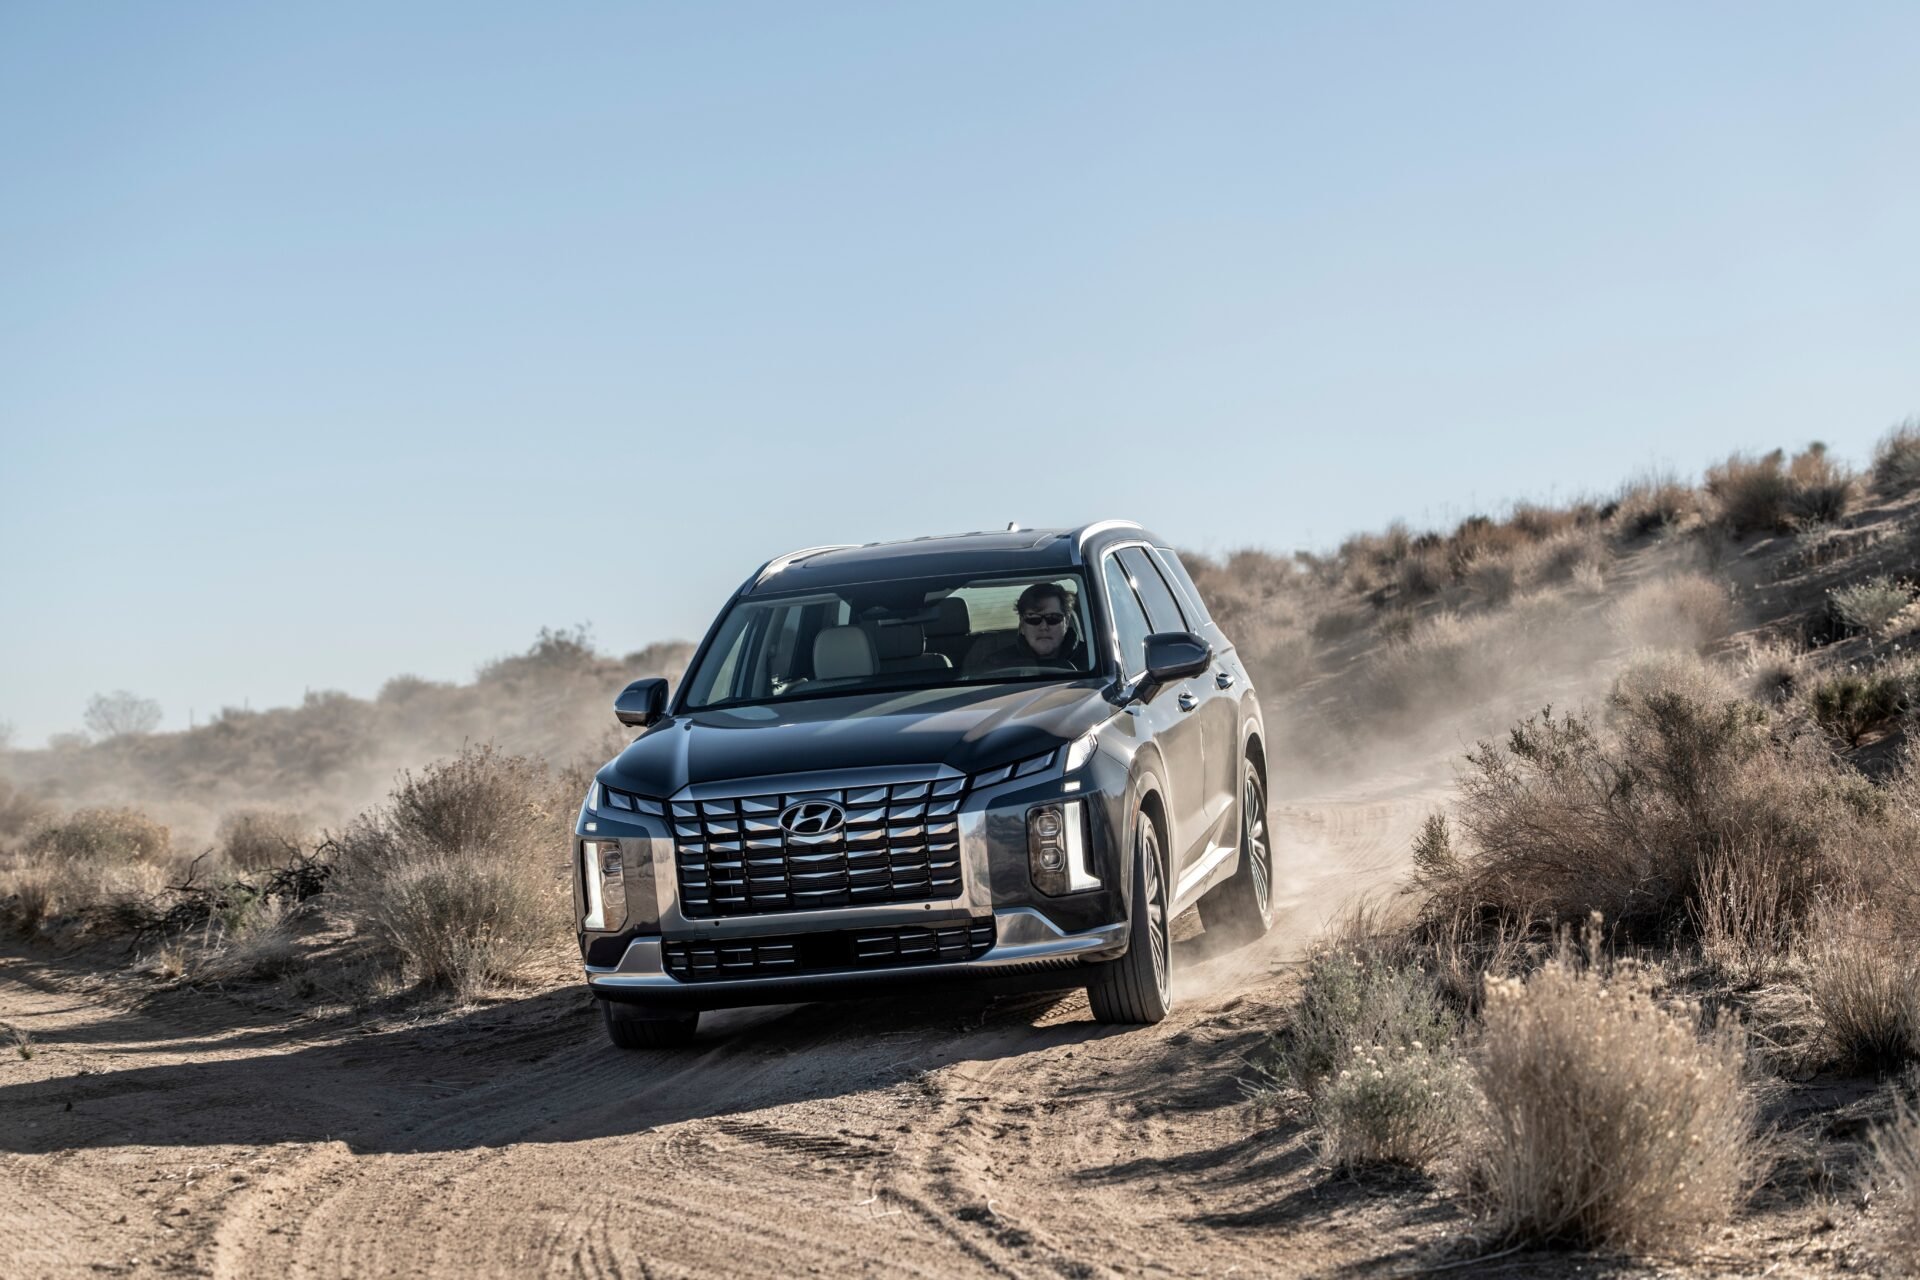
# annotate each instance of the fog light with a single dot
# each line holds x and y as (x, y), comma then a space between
(604, 883)
(1057, 849)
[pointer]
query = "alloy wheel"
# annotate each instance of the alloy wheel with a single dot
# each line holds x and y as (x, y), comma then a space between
(1158, 936)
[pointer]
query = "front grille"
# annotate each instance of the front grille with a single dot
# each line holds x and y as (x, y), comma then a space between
(846, 949)
(896, 844)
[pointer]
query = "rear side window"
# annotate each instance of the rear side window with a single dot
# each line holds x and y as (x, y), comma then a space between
(1178, 575)
(1163, 611)
(1129, 620)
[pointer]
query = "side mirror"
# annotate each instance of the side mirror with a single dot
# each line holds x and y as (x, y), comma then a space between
(642, 703)
(1172, 655)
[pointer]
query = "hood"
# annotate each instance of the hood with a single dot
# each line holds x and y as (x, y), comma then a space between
(970, 729)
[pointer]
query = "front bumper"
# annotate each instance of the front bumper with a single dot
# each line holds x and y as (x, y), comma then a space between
(1026, 942)
(1032, 933)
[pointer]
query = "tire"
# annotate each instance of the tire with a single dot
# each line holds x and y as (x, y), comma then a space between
(631, 1028)
(1242, 908)
(1137, 988)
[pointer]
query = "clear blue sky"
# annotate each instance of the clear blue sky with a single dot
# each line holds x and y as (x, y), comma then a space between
(339, 341)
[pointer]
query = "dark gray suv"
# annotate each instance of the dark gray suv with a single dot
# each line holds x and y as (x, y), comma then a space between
(1010, 757)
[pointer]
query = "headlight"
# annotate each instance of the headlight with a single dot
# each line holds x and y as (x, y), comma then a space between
(603, 878)
(1081, 749)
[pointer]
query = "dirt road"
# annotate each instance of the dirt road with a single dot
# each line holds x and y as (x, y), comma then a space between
(185, 1133)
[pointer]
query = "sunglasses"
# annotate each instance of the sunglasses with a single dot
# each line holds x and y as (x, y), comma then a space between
(1043, 619)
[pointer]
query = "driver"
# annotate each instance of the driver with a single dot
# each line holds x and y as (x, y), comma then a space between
(1047, 637)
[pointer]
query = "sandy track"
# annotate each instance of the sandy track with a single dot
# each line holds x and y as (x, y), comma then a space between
(931, 1136)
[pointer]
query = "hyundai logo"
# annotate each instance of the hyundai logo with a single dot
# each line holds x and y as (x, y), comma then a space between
(812, 817)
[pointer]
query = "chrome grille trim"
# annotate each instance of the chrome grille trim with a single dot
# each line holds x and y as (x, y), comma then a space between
(902, 844)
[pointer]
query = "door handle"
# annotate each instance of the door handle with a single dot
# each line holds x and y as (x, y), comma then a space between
(1187, 701)
(1223, 679)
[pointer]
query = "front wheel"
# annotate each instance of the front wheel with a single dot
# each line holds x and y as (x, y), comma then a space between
(1242, 908)
(631, 1028)
(1138, 986)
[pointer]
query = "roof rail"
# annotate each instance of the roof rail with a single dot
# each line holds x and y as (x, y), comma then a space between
(1100, 526)
(787, 561)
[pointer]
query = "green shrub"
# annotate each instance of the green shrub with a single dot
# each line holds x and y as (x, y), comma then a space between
(1373, 1049)
(1851, 704)
(1871, 606)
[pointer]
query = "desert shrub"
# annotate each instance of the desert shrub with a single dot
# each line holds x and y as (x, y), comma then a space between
(1563, 557)
(1896, 1178)
(260, 942)
(1608, 1120)
(1625, 816)
(1822, 487)
(1852, 704)
(100, 836)
(1423, 571)
(1769, 494)
(1686, 611)
(1872, 605)
(1374, 1051)
(1771, 669)
(461, 875)
(255, 839)
(1336, 625)
(1751, 493)
(1864, 987)
(1478, 540)
(108, 896)
(1651, 502)
(1492, 579)
(1896, 459)
(1537, 523)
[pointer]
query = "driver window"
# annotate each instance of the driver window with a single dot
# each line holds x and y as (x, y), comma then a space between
(1129, 619)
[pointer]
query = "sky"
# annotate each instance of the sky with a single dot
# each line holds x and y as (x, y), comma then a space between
(341, 341)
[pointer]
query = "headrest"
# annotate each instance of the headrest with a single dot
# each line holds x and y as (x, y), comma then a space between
(952, 619)
(903, 640)
(842, 653)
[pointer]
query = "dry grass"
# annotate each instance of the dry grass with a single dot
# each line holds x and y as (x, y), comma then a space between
(1864, 985)
(1609, 1121)
(462, 875)
(101, 836)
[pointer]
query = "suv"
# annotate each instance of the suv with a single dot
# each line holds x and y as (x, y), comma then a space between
(1011, 756)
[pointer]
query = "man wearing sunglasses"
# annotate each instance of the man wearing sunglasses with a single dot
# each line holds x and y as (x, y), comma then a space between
(1048, 636)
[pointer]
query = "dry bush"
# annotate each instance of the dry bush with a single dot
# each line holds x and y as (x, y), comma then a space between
(100, 836)
(1609, 1121)
(1626, 817)
(1772, 669)
(1686, 611)
(1871, 606)
(1478, 540)
(1768, 494)
(1896, 1179)
(1896, 459)
(1492, 579)
(262, 942)
(1864, 986)
(1423, 571)
(1563, 557)
(462, 874)
(1651, 502)
(1537, 523)
(257, 839)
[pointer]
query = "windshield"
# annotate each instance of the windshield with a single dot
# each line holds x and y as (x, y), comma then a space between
(907, 633)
